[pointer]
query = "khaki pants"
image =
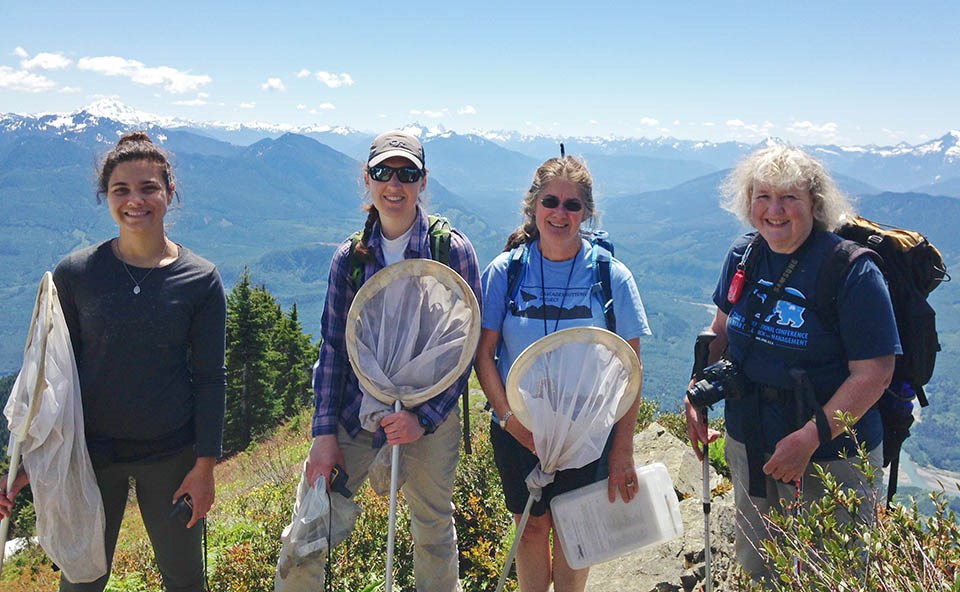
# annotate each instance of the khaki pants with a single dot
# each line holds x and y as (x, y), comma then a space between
(428, 466)
(751, 528)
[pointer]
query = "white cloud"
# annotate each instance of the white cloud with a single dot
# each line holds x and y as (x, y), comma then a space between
(326, 106)
(303, 73)
(248, 105)
(649, 122)
(431, 114)
(70, 90)
(24, 81)
(467, 110)
(808, 129)
(273, 84)
(171, 79)
(301, 107)
(334, 80)
(45, 61)
(201, 99)
(750, 129)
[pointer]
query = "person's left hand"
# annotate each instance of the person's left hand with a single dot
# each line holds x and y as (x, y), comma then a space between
(623, 474)
(402, 427)
(200, 485)
(792, 454)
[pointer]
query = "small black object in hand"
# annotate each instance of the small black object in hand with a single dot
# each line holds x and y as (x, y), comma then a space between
(182, 510)
(338, 481)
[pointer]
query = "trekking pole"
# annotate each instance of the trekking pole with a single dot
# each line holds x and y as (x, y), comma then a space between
(701, 354)
(803, 396)
(392, 515)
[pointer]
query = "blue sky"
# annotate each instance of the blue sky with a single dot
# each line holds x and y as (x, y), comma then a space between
(808, 72)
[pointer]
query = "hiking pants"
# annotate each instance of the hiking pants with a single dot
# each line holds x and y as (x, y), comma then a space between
(178, 549)
(751, 528)
(428, 466)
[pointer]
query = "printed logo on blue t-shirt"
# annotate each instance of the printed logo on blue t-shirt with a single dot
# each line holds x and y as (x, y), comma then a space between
(561, 304)
(782, 326)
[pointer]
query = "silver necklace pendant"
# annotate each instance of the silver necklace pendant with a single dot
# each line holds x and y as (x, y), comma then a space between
(136, 289)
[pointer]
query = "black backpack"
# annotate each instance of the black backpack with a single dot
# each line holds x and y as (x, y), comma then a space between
(913, 268)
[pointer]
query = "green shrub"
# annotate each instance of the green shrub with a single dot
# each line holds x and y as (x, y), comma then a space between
(901, 551)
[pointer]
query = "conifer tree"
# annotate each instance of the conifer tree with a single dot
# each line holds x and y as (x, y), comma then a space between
(295, 357)
(252, 406)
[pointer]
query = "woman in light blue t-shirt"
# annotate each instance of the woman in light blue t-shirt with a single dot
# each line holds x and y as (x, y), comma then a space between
(555, 291)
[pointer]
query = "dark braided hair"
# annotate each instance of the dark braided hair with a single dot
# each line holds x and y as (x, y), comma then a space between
(363, 252)
(131, 147)
(565, 167)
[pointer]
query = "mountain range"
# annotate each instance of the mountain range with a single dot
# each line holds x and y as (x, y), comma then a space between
(279, 200)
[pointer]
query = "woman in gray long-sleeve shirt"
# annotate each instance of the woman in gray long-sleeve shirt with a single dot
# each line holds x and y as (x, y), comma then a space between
(147, 322)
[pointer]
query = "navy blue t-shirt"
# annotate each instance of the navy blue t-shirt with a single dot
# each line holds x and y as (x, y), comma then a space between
(792, 335)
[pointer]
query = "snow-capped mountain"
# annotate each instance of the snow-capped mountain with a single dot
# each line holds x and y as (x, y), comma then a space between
(901, 167)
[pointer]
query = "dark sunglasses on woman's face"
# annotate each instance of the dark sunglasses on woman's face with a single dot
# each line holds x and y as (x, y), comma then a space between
(406, 174)
(552, 201)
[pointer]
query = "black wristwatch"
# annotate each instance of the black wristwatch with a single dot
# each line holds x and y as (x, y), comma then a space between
(426, 424)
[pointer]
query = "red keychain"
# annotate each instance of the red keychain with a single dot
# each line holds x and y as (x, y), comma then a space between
(736, 286)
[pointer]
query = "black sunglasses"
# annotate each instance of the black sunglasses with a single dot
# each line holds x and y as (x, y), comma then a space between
(552, 201)
(406, 174)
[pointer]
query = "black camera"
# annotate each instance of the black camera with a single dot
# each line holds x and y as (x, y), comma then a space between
(182, 510)
(722, 380)
(338, 481)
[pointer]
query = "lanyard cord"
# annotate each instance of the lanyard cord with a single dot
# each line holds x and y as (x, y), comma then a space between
(563, 299)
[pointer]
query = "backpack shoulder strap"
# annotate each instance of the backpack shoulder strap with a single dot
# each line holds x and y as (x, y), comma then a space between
(439, 231)
(518, 261)
(831, 273)
(601, 274)
(354, 264)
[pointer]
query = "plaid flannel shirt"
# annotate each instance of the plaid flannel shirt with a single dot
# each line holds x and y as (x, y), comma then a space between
(337, 394)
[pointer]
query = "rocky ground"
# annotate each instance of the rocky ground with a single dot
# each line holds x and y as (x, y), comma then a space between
(678, 564)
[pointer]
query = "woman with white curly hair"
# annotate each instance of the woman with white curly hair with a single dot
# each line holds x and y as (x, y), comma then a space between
(795, 364)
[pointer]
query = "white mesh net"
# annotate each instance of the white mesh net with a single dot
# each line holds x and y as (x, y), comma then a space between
(70, 518)
(569, 389)
(412, 331)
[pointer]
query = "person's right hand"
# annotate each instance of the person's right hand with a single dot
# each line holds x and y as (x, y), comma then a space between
(698, 431)
(520, 433)
(7, 496)
(324, 454)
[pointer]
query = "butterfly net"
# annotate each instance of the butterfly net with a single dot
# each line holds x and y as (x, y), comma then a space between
(412, 331)
(569, 389)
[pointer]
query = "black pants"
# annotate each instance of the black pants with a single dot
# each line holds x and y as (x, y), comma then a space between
(178, 549)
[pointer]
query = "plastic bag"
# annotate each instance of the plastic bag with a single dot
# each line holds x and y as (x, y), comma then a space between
(305, 542)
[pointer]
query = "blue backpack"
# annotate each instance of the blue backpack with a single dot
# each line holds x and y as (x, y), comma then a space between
(602, 254)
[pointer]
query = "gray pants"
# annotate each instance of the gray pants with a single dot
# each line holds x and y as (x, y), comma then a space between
(751, 528)
(178, 550)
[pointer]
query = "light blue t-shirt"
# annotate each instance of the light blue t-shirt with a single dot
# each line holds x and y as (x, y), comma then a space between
(570, 297)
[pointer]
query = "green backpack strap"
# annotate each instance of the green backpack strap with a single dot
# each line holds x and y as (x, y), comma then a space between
(439, 232)
(355, 265)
